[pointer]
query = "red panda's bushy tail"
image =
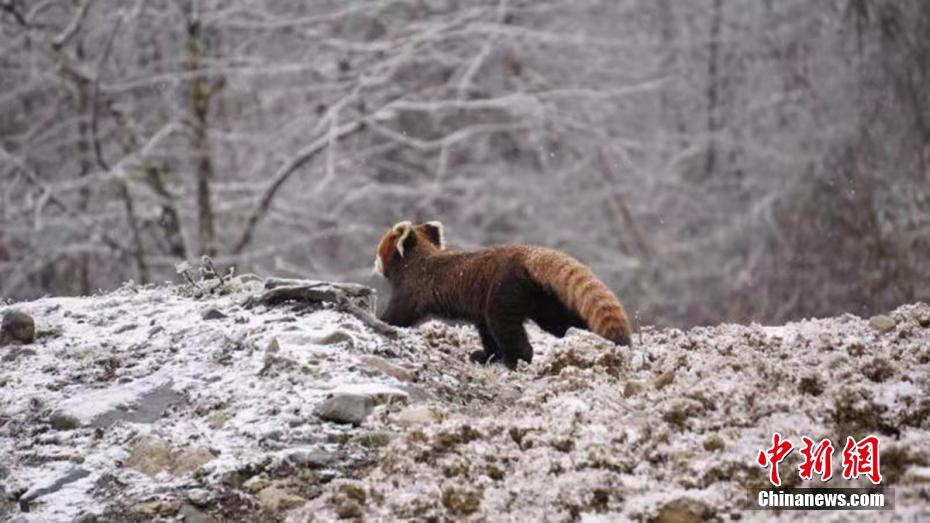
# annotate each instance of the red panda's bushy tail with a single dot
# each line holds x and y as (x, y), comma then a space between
(581, 291)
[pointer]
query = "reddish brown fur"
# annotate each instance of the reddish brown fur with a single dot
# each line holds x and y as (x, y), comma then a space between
(497, 289)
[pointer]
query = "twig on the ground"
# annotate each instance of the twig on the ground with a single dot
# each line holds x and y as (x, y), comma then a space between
(184, 269)
(350, 298)
(208, 271)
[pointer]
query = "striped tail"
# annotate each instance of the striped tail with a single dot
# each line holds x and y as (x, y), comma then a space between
(580, 290)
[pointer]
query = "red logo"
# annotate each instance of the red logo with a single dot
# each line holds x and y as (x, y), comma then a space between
(819, 460)
(860, 458)
(773, 456)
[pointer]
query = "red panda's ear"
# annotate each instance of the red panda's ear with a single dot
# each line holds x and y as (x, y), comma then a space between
(401, 233)
(435, 233)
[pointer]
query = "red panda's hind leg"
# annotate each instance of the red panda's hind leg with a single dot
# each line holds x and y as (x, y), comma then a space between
(552, 316)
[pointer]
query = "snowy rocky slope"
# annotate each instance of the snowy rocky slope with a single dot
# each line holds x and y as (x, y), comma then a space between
(165, 402)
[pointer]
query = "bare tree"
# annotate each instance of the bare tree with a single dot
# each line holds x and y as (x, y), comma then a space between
(712, 160)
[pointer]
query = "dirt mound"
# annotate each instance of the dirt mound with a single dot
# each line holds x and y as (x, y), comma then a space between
(132, 406)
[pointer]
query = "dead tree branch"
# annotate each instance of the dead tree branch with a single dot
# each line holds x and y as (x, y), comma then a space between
(350, 298)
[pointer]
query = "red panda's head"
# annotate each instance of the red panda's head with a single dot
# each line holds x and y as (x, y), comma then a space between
(405, 241)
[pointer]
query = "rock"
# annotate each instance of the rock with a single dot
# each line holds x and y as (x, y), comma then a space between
(882, 323)
(917, 474)
(213, 313)
(192, 514)
(684, 510)
(147, 408)
(664, 379)
(373, 439)
(256, 484)
(379, 394)
(151, 456)
(312, 458)
(217, 420)
(125, 328)
(345, 408)
(335, 337)
(383, 366)
(275, 499)
(415, 415)
(632, 388)
(17, 326)
(199, 497)
(16, 353)
(155, 508)
(146, 509)
(54, 486)
(714, 443)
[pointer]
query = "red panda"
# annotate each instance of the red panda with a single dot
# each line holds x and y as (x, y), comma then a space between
(497, 289)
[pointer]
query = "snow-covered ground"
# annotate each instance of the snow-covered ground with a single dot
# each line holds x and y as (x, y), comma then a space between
(134, 405)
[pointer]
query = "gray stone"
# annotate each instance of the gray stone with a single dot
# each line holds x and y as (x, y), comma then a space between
(312, 458)
(345, 408)
(335, 337)
(917, 474)
(882, 323)
(192, 514)
(684, 510)
(383, 366)
(199, 497)
(151, 509)
(379, 393)
(58, 484)
(415, 415)
(16, 353)
(17, 326)
(125, 328)
(213, 313)
(149, 408)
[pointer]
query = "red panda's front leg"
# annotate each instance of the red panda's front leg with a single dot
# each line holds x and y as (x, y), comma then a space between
(489, 346)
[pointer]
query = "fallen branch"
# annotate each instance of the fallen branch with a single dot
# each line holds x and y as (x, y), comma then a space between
(350, 298)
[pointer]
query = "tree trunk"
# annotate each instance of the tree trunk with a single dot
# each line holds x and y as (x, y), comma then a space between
(713, 94)
(200, 94)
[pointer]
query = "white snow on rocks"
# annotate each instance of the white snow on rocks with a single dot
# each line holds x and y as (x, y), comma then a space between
(133, 405)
